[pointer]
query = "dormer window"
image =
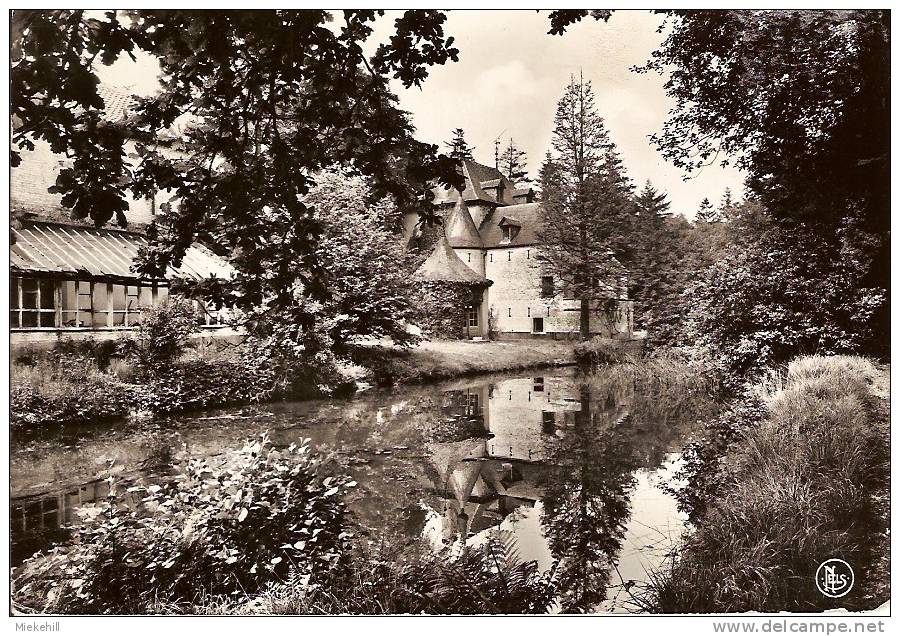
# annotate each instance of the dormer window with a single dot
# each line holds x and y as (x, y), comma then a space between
(509, 228)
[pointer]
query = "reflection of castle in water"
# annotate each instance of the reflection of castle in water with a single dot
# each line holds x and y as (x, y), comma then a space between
(483, 480)
(492, 453)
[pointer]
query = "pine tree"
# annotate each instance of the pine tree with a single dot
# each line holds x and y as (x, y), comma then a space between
(729, 208)
(614, 168)
(652, 203)
(587, 210)
(580, 139)
(706, 213)
(512, 163)
(651, 284)
(459, 149)
(727, 200)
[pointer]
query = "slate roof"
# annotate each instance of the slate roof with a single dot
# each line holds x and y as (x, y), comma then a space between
(97, 253)
(478, 176)
(529, 216)
(116, 102)
(444, 265)
(459, 228)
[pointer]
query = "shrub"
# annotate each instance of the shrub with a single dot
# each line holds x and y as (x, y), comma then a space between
(70, 389)
(392, 578)
(199, 384)
(161, 337)
(65, 388)
(101, 352)
(259, 516)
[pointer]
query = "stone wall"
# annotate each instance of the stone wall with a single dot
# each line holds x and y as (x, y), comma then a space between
(472, 257)
(515, 299)
(38, 171)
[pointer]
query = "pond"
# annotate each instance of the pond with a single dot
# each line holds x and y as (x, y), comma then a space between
(574, 469)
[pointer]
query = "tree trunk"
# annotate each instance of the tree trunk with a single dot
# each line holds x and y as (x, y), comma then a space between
(585, 327)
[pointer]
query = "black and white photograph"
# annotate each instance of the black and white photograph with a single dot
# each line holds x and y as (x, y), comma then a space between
(449, 312)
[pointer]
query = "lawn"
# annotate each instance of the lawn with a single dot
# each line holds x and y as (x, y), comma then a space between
(435, 359)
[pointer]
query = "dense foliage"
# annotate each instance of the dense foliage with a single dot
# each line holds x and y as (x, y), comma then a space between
(410, 578)
(67, 388)
(787, 292)
(261, 101)
(804, 111)
(260, 515)
(162, 336)
(443, 306)
(363, 264)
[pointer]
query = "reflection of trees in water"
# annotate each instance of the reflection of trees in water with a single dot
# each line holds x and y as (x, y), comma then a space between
(586, 498)
(664, 416)
(619, 429)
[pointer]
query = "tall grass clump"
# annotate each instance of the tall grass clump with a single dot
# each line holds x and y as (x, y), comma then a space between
(667, 371)
(599, 351)
(804, 484)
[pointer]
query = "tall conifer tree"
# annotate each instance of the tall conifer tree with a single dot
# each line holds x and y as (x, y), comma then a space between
(458, 147)
(513, 162)
(586, 204)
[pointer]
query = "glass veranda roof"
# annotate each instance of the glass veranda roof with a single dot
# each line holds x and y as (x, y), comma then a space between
(98, 253)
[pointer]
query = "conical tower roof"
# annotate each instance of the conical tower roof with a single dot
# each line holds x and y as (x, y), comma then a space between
(459, 228)
(445, 265)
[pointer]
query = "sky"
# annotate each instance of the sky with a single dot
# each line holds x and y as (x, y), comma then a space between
(511, 74)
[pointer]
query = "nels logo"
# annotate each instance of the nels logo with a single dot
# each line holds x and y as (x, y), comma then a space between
(834, 578)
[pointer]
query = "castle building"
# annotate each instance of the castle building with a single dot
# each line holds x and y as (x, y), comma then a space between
(493, 229)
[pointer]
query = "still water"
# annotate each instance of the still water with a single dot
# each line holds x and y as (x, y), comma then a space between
(574, 469)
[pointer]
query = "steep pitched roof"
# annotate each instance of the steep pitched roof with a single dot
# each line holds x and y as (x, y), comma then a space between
(529, 217)
(459, 228)
(478, 177)
(444, 265)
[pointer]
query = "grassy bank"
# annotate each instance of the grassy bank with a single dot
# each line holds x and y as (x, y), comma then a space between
(79, 386)
(808, 483)
(76, 387)
(440, 359)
